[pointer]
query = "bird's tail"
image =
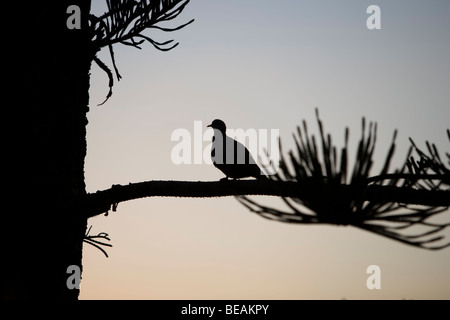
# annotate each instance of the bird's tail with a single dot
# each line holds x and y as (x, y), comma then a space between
(262, 176)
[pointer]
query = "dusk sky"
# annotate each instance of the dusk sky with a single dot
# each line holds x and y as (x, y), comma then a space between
(257, 65)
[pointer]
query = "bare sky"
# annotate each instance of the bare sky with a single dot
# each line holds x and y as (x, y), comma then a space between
(258, 65)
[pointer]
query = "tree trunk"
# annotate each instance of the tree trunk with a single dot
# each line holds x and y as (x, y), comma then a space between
(48, 94)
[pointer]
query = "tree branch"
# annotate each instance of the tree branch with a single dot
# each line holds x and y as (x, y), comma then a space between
(102, 201)
(386, 204)
(125, 22)
(128, 19)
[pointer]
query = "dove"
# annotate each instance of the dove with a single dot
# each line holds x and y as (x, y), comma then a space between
(230, 156)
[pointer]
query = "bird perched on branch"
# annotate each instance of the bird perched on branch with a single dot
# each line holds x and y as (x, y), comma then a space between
(231, 156)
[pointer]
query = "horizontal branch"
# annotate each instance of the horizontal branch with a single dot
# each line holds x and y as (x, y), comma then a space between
(102, 201)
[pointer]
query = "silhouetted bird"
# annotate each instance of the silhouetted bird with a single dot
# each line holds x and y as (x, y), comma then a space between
(231, 156)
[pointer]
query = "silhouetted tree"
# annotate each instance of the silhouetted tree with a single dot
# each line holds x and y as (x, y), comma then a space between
(48, 65)
(47, 207)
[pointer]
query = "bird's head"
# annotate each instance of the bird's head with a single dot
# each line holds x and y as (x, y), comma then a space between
(219, 125)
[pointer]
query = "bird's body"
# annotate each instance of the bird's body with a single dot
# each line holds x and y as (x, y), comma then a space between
(232, 157)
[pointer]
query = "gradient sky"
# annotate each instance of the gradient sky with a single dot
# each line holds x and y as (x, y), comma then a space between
(255, 64)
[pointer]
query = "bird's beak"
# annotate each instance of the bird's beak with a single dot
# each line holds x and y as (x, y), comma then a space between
(209, 125)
